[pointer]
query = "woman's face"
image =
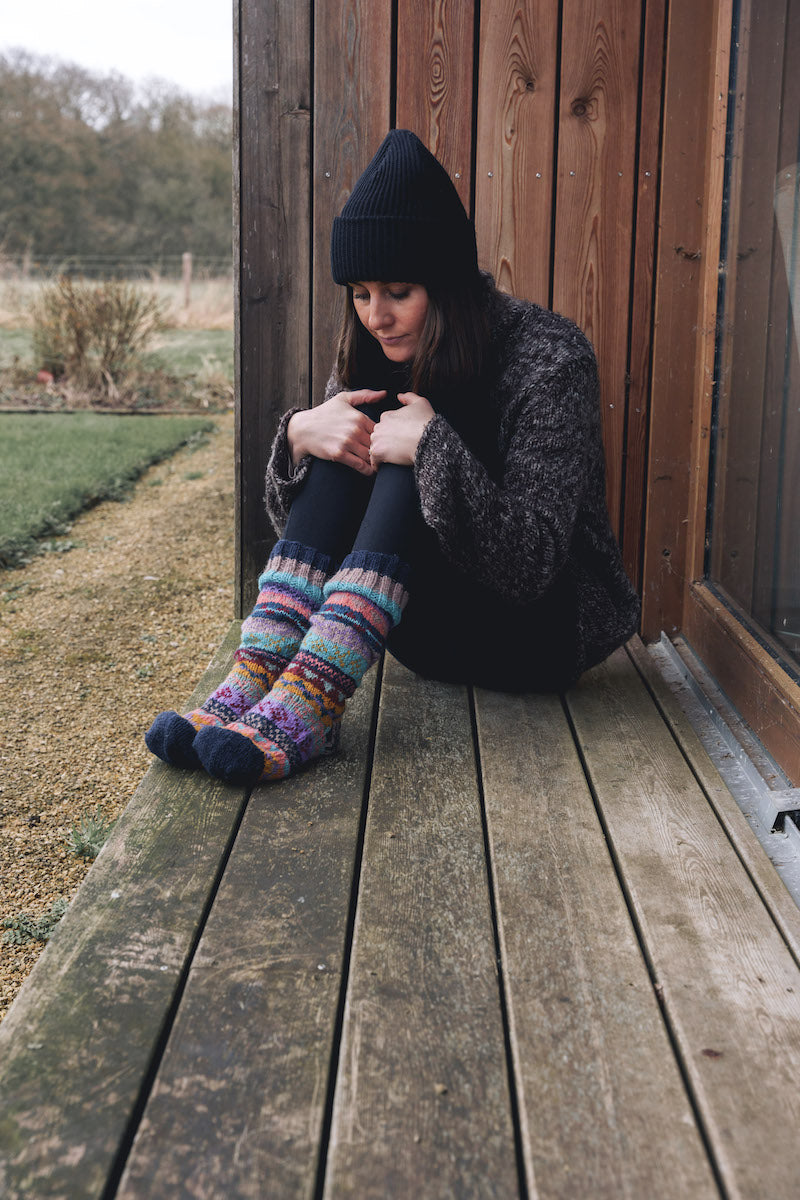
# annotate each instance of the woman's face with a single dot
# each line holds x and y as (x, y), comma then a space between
(394, 313)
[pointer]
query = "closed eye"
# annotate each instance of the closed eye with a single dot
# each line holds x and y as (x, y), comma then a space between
(397, 294)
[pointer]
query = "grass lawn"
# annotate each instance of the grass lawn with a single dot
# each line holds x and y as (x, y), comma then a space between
(52, 465)
(187, 351)
(14, 343)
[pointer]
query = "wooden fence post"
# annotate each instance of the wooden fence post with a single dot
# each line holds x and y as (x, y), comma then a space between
(186, 275)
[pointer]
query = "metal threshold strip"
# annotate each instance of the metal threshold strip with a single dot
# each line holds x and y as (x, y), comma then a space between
(763, 792)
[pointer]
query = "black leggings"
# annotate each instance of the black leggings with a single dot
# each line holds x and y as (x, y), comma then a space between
(339, 510)
(454, 628)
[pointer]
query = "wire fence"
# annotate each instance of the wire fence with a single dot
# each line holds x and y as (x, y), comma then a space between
(193, 290)
(107, 266)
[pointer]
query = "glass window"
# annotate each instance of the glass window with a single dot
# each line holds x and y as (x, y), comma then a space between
(753, 557)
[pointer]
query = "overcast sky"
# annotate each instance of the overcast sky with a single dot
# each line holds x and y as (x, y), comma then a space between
(188, 42)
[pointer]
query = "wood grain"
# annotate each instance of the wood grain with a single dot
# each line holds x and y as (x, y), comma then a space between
(434, 81)
(77, 1043)
(730, 987)
(274, 262)
(591, 1095)
(240, 1095)
(641, 313)
(686, 280)
(594, 211)
(517, 95)
(352, 110)
(422, 1102)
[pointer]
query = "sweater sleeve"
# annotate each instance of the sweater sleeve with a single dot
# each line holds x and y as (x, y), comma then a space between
(284, 480)
(514, 535)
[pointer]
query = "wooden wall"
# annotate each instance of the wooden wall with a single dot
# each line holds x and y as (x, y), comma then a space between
(547, 115)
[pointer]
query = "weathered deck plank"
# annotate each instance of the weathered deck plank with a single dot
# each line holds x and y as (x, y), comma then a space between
(422, 1102)
(730, 986)
(652, 1002)
(91, 1013)
(759, 867)
(595, 1070)
(240, 1097)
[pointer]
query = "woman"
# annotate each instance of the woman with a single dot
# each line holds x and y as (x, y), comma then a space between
(447, 499)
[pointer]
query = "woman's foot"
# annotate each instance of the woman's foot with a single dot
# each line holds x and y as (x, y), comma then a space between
(290, 590)
(170, 738)
(276, 741)
(299, 720)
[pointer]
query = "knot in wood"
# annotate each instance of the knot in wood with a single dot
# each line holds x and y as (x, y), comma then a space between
(583, 106)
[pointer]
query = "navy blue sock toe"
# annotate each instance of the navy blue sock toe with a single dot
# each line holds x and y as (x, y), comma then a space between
(171, 738)
(229, 756)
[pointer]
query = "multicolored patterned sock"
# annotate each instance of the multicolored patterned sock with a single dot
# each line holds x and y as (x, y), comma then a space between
(290, 590)
(299, 720)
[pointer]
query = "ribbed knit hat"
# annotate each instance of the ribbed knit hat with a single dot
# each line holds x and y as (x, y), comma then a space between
(404, 221)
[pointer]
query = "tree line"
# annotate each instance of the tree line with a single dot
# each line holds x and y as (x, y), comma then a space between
(94, 166)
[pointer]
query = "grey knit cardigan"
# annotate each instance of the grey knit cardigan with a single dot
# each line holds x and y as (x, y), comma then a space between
(547, 513)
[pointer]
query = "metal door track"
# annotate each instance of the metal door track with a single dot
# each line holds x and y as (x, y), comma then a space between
(763, 792)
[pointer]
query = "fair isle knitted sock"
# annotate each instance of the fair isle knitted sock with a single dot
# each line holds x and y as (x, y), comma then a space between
(299, 720)
(290, 590)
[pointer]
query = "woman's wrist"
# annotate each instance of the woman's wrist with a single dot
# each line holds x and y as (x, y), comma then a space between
(295, 435)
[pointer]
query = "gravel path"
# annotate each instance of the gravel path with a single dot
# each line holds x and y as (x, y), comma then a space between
(93, 643)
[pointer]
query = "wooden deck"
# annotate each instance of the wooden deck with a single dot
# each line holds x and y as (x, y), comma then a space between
(502, 946)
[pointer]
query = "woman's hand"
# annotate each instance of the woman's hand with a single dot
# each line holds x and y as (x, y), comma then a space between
(335, 431)
(396, 436)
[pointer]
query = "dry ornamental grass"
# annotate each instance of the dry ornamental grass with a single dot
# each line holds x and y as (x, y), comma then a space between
(93, 643)
(210, 300)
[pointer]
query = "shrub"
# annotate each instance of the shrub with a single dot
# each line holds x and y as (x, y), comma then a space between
(93, 332)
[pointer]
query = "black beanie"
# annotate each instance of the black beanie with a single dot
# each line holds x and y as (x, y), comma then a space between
(404, 221)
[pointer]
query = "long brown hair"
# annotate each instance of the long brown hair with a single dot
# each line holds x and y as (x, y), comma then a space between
(451, 353)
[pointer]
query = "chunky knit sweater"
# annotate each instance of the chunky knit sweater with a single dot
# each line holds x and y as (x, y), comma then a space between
(517, 529)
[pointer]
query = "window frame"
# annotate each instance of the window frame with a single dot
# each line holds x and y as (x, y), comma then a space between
(677, 598)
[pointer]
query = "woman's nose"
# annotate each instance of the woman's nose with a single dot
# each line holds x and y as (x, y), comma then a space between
(378, 314)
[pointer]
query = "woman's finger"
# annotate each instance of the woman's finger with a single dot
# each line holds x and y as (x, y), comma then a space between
(363, 433)
(356, 463)
(362, 396)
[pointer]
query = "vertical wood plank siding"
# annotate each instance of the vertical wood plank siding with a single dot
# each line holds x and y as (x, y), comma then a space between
(352, 105)
(550, 88)
(434, 81)
(685, 305)
(639, 339)
(594, 198)
(517, 95)
(274, 85)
